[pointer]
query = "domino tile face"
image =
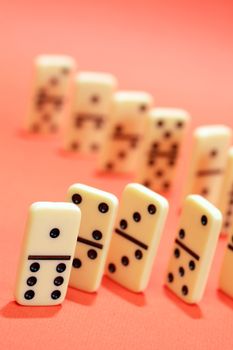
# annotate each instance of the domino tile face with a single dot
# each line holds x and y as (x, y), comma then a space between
(138, 229)
(193, 249)
(50, 93)
(125, 132)
(90, 111)
(165, 131)
(98, 210)
(47, 253)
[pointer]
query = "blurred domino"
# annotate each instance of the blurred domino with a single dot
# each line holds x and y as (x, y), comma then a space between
(208, 161)
(226, 272)
(141, 218)
(98, 210)
(52, 79)
(226, 195)
(90, 111)
(194, 248)
(47, 252)
(165, 131)
(125, 131)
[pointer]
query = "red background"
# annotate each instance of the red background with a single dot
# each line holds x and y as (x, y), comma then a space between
(182, 53)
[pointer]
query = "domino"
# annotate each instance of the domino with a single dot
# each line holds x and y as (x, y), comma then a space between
(139, 225)
(226, 198)
(225, 278)
(47, 252)
(98, 210)
(208, 161)
(51, 88)
(90, 111)
(125, 132)
(165, 131)
(194, 248)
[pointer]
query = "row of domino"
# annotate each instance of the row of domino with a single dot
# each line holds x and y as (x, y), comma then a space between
(115, 123)
(74, 242)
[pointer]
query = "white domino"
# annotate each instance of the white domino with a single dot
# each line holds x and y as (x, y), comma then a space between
(50, 93)
(194, 247)
(98, 210)
(139, 225)
(226, 272)
(165, 131)
(47, 253)
(89, 111)
(125, 131)
(208, 161)
(225, 203)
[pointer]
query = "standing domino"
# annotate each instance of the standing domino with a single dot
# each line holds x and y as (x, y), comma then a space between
(226, 197)
(90, 111)
(52, 80)
(125, 131)
(136, 237)
(165, 131)
(226, 273)
(208, 160)
(47, 253)
(98, 210)
(194, 248)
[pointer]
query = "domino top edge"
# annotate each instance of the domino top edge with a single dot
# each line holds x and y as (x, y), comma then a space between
(95, 77)
(55, 60)
(163, 112)
(148, 192)
(205, 204)
(125, 96)
(212, 130)
(90, 189)
(53, 205)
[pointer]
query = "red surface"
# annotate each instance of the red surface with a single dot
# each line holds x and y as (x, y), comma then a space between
(181, 52)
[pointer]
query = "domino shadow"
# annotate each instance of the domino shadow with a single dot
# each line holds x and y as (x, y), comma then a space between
(137, 299)
(79, 297)
(14, 310)
(193, 311)
(225, 299)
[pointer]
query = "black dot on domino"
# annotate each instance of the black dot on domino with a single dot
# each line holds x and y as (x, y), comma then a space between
(111, 268)
(31, 281)
(55, 294)
(103, 207)
(76, 198)
(97, 235)
(192, 265)
(29, 294)
(58, 281)
(151, 209)
(54, 233)
(182, 233)
(181, 271)
(170, 277)
(61, 267)
(160, 123)
(177, 253)
(138, 254)
(167, 135)
(109, 166)
(184, 290)
(213, 152)
(34, 267)
(77, 263)
(92, 254)
(125, 261)
(179, 124)
(142, 108)
(95, 99)
(123, 224)
(204, 220)
(136, 216)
